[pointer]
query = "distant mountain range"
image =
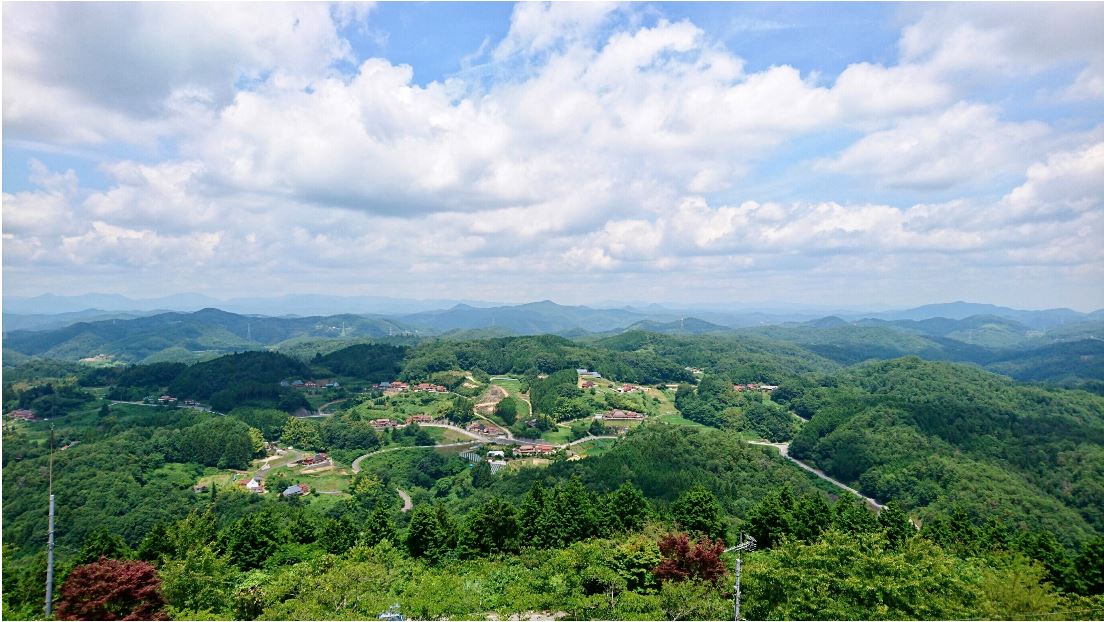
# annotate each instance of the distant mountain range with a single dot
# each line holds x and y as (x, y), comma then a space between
(146, 336)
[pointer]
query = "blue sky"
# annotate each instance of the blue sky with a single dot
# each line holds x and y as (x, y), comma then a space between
(736, 153)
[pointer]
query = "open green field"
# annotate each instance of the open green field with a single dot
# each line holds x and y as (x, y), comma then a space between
(403, 405)
(676, 419)
(445, 435)
(593, 448)
(557, 435)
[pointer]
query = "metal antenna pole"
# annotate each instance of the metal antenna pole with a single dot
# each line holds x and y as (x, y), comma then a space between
(736, 598)
(747, 543)
(50, 534)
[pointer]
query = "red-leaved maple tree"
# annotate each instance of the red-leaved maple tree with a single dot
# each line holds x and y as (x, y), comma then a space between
(683, 559)
(112, 589)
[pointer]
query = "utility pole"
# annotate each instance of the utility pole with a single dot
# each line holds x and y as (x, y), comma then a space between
(50, 534)
(747, 543)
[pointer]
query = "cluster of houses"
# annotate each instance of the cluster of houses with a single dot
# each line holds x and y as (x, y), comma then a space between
(484, 428)
(622, 415)
(694, 370)
(398, 386)
(628, 388)
(168, 400)
(383, 424)
(256, 485)
(22, 413)
(320, 459)
(754, 386)
(534, 450)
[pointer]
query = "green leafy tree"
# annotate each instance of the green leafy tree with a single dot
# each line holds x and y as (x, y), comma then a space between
(156, 544)
(427, 537)
(490, 528)
(1090, 564)
(698, 511)
(368, 491)
(302, 434)
(851, 514)
(251, 540)
(810, 517)
(529, 515)
(103, 543)
(857, 576)
(481, 474)
(507, 410)
(256, 438)
(198, 582)
(629, 507)
(379, 527)
(337, 535)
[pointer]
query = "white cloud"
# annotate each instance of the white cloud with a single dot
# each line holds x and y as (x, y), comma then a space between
(87, 73)
(967, 142)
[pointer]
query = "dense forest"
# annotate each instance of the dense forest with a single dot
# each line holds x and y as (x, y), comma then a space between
(994, 487)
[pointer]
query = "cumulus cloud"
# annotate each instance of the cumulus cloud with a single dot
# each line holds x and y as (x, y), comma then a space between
(95, 72)
(963, 143)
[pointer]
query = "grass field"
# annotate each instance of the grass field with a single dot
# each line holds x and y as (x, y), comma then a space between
(676, 419)
(594, 448)
(403, 405)
(445, 435)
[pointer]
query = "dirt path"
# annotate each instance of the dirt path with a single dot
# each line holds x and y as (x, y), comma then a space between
(784, 449)
(408, 503)
(322, 408)
(588, 438)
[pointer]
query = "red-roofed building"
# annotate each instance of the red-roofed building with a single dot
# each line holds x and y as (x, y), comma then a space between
(622, 415)
(24, 414)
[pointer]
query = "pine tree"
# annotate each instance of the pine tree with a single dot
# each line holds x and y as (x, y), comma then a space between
(423, 537)
(628, 506)
(851, 515)
(529, 516)
(155, 545)
(811, 516)
(490, 528)
(102, 543)
(895, 523)
(769, 521)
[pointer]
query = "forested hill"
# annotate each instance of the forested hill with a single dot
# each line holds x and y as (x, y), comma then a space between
(184, 336)
(935, 436)
(621, 517)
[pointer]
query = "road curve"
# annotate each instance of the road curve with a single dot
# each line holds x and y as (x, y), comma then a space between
(784, 449)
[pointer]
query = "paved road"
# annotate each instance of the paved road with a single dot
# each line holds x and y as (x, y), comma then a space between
(784, 449)
(408, 503)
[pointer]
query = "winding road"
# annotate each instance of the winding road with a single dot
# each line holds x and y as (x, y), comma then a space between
(784, 449)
